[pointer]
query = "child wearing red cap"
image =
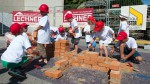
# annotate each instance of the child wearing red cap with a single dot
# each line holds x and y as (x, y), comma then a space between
(74, 29)
(127, 48)
(43, 33)
(14, 57)
(106, 36)
(90, 41)
(62, 34)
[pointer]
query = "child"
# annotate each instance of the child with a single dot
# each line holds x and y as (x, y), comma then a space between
(43, 33)
(54, 33)
(25, 28)
(92, 43)
(14, 58)
(128, 48)
(106, 35)
(123, 24)
(62, 34)
(87, 30)
(75, 29)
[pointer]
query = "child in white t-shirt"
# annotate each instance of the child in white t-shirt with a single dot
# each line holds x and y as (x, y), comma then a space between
(62, 34)
(74, 29)
(43, 34)
(54, 33)
(14, 57)
(127, 48)
(123, 24)
(106, 36)
(87, 29)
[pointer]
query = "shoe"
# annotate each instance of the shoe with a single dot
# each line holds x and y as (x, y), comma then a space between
(122, 60)
(135, 61)
(17, 73)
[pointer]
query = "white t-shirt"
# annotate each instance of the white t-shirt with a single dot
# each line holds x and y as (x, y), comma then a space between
(15, 50)
(78, 31)
(87, 36)
(25, 35)
(130, 44)
(124, 27)
(61, 37)
(105, 35)
(44, 33)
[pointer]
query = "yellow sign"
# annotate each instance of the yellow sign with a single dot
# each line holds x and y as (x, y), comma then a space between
(138, 15)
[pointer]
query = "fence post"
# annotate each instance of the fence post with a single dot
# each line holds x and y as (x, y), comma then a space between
(54, 19)
(2, 19)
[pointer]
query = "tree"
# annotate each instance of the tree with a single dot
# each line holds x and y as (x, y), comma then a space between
(126, 2)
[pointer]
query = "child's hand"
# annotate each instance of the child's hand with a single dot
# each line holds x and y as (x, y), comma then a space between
(112, 51)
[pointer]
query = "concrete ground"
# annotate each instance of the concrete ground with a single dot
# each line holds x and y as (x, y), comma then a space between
(6, 79)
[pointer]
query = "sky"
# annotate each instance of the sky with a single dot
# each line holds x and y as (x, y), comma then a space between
(146, 2)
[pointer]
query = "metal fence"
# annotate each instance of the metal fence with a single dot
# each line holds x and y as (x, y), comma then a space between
(102, 11)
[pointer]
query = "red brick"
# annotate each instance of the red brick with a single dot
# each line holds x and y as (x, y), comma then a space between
(61, 54)
(76, 64)
(61, 63)
(64, 41)
(105, 64)
(86, 66)
(81, 57)
(87, 62)
(96, 67)
(115, 74)
(53, 74)
(126, 67)
(101, 59)
(56, 54)
(115, 65)
(104, 69)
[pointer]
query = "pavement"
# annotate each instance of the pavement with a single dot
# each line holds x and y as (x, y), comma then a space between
(6, 79)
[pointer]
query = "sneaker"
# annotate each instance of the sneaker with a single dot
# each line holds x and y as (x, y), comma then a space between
(135, 61)
(16, 73)
(122, 60)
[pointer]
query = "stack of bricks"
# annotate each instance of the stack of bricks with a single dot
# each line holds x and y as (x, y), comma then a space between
(60, 47)
(92, 60)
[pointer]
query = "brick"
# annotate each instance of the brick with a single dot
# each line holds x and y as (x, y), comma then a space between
(56, 54)
(76, 64)
(104, 69)
(115, 81)
(115, 74)
(64, 41)
(80, 61)
(61, 54)
(93, 54)
(105, 64)
(125, 67)
(96, 67)
(64, 44)
(53, 74)
(74, 60)
(57, 50)
(92, 62)
(115, 65)
(101, 59)
(62, 51)
(87, 62)
(61, 63)
(86, 66)
(81, 57)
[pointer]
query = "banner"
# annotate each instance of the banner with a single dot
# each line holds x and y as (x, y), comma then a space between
(81, 15)
(26, 17)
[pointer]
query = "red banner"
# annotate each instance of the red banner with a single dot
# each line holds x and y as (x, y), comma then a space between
(26, 16)
(81, 15)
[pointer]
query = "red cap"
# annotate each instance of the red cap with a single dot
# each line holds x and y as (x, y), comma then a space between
(98, 25)
(61, 29)
(24, 25)
(68, 16)
(15, 28)
(122, 35)
(44, 8)
(91, 18)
